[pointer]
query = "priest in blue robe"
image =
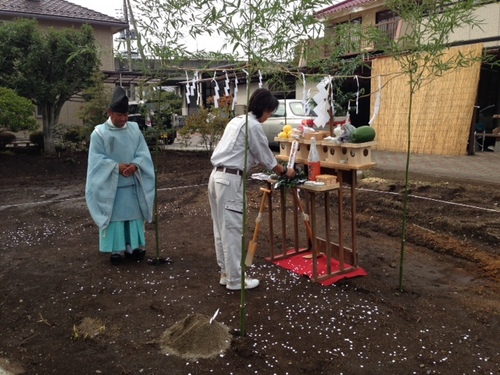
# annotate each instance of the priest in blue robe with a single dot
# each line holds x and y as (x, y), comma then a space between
(120, 186)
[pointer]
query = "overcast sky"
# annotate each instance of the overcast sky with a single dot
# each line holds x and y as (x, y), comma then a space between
(114, 8)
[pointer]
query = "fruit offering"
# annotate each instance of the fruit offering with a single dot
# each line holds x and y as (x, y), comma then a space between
(286, 132)
(282, 135)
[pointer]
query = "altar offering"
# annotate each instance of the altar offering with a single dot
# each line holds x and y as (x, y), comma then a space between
(327, 179)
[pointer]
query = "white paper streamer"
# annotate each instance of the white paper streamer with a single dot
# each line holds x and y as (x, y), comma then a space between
(307, 108)
(226, 86)
(321, 99)
(348, 114)
(377, 101)
(193, 83)
(260, 79)
(248, 83)
(199, 99)
(331, 103)
(216, 96)
(188, 101)
(357, 94)
(304, 99)
(235, 100)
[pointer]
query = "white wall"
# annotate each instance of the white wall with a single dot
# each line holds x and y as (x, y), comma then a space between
(489, 15)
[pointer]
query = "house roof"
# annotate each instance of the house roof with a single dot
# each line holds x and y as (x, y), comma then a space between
(344, 5)
(59, 10)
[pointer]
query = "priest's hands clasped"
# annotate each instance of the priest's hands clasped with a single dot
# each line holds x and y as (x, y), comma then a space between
(127, 170)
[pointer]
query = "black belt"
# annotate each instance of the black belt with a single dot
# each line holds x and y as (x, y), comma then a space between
(229, 170)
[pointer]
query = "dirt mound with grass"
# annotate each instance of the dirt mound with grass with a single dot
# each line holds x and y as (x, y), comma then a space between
(195, 337)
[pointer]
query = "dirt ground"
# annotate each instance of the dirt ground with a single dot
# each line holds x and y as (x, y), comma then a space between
(66, 310)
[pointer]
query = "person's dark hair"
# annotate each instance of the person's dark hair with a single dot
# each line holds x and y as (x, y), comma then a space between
(262, 100)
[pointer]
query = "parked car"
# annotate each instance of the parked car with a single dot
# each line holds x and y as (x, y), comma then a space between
(292, 114)
(143, 114)
(295, 116)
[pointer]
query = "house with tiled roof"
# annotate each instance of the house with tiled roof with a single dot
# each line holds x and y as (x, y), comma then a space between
(451, 106)
(64, 14)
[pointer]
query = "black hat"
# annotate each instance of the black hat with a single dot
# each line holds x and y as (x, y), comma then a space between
(119, 102)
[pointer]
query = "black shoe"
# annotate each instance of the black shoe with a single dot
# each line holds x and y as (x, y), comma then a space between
(137, 254)
(115, 258)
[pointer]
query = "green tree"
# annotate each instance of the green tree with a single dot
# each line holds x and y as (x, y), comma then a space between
(16, 112)
(97, 98)
(266, 31)
(48, 66)
(163, 105)
(421, 55)
(208, 123)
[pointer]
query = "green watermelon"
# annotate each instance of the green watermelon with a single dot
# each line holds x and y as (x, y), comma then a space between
(363, 134)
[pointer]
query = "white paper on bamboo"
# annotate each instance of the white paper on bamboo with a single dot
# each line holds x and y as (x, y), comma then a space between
(377, 101)
(293, 154)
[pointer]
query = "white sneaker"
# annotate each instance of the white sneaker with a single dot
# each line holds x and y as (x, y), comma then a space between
(223, 279)
(249, 284)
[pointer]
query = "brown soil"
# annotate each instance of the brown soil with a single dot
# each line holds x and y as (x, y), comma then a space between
(66, 310)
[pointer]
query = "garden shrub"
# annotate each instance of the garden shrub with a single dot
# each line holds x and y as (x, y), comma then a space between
(208, 123)
(6, 138)
(37, 139)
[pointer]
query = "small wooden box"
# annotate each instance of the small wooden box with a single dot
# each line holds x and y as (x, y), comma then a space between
(285, 146)
(317, 135)
(305, 147)
(357, 154)
(322, 151)
(328, 179)
(334, 153)
(303, 151)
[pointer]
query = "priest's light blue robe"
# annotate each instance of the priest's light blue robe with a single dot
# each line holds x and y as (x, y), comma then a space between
(119, 205)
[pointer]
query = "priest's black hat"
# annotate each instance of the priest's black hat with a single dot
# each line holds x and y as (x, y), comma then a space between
(119, 102)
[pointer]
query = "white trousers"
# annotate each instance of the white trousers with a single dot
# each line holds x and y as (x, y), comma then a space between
(225, 192)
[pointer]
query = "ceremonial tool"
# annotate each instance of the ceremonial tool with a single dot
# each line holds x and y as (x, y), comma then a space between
(294, 148)
(252, 246)
(293, 154)
(307, 224)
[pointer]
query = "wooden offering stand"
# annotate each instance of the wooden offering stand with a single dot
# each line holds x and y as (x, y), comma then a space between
(345, 160)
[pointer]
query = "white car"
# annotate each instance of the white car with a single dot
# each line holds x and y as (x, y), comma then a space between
(292, 114)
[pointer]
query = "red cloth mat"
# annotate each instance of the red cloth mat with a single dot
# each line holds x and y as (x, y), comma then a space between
(297, 264)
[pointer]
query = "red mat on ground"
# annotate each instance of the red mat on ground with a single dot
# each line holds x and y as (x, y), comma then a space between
(297, 264)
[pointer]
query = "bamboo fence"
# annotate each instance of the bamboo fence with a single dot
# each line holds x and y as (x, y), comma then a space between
(442, 108)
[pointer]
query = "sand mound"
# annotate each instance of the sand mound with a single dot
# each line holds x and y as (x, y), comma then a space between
(194, 337)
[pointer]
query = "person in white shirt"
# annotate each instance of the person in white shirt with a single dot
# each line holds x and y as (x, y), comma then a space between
(225, 187)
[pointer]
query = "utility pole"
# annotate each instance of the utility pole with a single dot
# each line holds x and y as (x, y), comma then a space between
(128, 36)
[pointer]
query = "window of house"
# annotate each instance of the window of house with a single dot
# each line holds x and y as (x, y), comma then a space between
(344, 35)
(387, 21)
